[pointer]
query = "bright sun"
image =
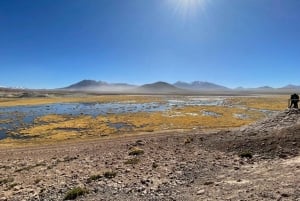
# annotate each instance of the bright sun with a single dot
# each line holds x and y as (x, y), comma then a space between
(187, 7)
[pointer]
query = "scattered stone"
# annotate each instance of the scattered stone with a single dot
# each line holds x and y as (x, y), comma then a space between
(139, 143)
(208, 183)
(285, 195)
(201, 192)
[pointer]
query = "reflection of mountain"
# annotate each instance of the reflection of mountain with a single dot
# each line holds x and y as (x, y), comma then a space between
(200, 86)
(159, 87)
(92, 85)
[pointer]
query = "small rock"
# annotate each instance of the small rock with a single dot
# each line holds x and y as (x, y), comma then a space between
(140, 143)
(17, 188)
(208, 183)
(143, 181)
(285, 195)
(201, 192)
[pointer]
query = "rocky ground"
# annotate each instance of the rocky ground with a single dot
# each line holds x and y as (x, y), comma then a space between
(257, 162)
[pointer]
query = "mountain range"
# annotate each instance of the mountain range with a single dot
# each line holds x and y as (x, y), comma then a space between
(199, 85)
(92, 85)
(164, 87)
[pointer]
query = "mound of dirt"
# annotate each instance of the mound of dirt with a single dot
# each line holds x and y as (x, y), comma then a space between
(277, 136)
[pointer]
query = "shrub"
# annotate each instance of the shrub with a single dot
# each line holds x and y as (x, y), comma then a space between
(5, 181)
(12, 185)
(94, 178)
(132, 161)
(135, 151)
(188, 140)
(246, 155)
(36, 181)
(75, 192)
(109, 174)
(154, 165)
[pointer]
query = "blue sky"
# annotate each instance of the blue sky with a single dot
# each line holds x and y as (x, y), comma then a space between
(54, 43)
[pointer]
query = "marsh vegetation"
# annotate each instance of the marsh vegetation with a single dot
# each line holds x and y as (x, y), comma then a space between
(52, 119)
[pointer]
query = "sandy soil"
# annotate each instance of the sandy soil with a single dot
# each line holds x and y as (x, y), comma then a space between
(257, 162)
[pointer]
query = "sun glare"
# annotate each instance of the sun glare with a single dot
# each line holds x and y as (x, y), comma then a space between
(187, 8)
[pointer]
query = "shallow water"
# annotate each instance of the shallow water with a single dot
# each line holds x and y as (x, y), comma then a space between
(197, 101)
(12, 118)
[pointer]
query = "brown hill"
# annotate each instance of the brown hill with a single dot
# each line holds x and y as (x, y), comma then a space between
(159, 87)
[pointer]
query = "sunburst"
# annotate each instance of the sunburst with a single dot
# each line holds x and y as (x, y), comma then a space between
(187, 8)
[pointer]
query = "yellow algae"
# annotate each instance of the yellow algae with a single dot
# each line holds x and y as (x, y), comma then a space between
(266, 102)
(67, 127)
(9, 102)
(51, 118)
(61, 127)
(172, 120)
(10, 143)
(52, 128)
(6, 121)
(63, 135)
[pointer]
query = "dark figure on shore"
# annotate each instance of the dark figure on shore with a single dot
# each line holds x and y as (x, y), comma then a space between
(294, 101)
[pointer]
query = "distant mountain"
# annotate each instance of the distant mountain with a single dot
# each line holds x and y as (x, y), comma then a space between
(159, 87)
(99, 86)
(200, 86)
(265, 88)
(287, 88)
(84, 84)
(166, 88)
(290, 86)
(258, 89)
(239, 88)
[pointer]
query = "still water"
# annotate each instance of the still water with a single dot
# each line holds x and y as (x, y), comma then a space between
(12, 118)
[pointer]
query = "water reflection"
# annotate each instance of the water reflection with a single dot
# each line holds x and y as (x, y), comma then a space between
(13, 118)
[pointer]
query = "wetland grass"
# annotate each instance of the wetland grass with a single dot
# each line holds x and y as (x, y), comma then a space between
(54, 128)
(75, 192)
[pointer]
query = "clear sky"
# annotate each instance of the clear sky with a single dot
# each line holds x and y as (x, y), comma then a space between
(54, 43)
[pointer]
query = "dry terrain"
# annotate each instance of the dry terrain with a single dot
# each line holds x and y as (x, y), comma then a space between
(256, 162)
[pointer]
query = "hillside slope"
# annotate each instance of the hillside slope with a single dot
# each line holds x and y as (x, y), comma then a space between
(277, 136)
(201, 86)
(159, 87)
